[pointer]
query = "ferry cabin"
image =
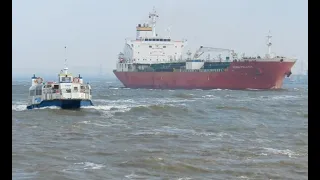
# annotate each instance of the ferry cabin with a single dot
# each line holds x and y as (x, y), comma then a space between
(68, 87)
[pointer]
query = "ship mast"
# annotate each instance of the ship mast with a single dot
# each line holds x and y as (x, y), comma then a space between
(153, 20)
(65, 69)
(269, 44)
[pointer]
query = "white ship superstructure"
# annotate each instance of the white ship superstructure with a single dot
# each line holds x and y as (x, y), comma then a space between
(149, 47)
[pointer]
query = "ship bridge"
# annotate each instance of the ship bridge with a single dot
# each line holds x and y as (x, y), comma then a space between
(149, 47)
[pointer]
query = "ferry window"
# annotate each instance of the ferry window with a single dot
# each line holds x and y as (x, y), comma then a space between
(181, 45)
(176, 46)
(32, 92)
(66, 79)
(75, 88)
(157, 40)
(131, 45)
(68, 90)
(153, 39)
(161, 39)
(90, 91)
(38, 91)
(169, 39)
(56, 87)
(82, 87)
(164, 46)
(150, 46)
(146, 39)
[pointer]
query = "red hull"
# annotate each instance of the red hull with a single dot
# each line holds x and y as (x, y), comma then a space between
(240, 75)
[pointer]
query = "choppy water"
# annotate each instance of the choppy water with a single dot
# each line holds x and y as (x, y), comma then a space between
(164, 134)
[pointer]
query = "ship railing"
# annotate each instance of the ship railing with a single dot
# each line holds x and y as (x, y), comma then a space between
(51, 95)
(200, 70)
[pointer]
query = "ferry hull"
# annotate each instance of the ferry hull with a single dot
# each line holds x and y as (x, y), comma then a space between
(240, 75)
(63, 104)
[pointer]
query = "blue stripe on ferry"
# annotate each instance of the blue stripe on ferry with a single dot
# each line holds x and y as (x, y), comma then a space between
(194, 61)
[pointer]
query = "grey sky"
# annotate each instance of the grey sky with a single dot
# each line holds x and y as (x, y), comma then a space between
(94, 31)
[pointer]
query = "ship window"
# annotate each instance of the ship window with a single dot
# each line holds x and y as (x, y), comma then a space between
(169, 39)
(56, 87)
(131, 45)
(38, 90)
(153, 39)
(68, 90)
(181, 45)
(164, 46)
(32, 92)
(161, 39)
(150, 46)
(146, 39)
(82, 87)
(75, 88)
(157, 40)
(65, 79)
(176, 46)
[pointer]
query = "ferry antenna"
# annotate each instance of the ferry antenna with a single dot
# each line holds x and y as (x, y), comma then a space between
(65, 60)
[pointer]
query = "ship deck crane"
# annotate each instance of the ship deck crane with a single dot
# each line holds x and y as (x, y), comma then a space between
(202, 50)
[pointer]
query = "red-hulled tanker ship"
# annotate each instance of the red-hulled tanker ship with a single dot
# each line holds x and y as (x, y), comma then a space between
(155, 62)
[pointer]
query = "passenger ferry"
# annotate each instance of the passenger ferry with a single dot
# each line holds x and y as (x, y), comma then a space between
(68, 93)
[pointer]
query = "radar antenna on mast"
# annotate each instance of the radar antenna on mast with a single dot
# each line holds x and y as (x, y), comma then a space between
(269, 44)
(153, 20)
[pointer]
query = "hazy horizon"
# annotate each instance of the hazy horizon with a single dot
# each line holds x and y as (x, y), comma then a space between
(94, 32)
